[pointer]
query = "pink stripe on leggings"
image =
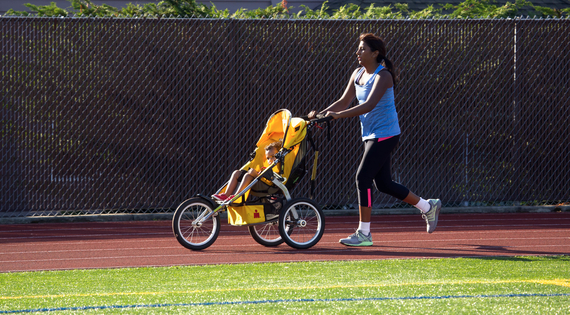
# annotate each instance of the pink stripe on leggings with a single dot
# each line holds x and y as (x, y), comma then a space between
(385, 138)
(369, 198)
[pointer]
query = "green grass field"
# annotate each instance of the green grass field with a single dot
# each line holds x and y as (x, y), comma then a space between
(494, 285)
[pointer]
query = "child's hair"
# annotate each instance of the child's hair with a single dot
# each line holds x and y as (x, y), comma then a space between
(277, 145)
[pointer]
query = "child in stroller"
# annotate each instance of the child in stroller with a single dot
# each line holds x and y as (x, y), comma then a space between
(270, 151)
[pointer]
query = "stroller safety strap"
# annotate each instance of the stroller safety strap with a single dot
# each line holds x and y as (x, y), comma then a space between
(314, 174)
(316, 149)
(314, 171)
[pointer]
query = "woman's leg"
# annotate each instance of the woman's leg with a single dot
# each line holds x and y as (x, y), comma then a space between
(412, 199)
(383, 180)
(383, 177)
(375, 169)
(385, 184)
(370, 165)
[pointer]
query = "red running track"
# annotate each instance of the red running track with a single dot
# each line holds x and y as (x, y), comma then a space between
(54, 246)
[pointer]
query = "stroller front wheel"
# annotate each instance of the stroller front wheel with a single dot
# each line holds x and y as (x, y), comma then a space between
(189, 226)
(301, 223)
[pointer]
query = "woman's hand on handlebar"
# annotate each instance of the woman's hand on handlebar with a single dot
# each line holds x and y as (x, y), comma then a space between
(334, 115)
(314, 115)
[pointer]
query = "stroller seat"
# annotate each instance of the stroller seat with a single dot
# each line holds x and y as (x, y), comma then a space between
(252, 206)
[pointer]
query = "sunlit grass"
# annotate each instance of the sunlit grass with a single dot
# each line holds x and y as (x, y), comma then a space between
(430, 286)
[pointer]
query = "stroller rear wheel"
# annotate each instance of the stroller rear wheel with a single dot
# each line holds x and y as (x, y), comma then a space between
(188, 225)
(266, 234)
(301, 223)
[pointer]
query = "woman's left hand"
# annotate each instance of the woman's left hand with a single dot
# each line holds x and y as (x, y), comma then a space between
(334, 115)
(312, 114)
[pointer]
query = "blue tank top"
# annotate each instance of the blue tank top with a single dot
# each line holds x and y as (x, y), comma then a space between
(382, 121)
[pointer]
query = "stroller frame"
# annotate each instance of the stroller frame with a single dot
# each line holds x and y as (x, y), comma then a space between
(300, 223)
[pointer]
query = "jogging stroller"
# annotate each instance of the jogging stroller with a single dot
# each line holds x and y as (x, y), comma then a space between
(265, 206)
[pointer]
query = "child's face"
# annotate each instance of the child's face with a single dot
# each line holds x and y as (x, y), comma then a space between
(270, 153)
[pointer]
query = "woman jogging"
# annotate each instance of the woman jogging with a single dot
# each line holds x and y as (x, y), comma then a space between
(373, 85)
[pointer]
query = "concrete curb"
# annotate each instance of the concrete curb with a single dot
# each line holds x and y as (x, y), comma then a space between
(338, 212)
(89, 218)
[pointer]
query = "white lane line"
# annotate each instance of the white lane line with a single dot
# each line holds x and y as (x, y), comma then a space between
(377, 228)
(165, 226)
(386, 243)
(308, 253)
(231, 235)
(255, 244)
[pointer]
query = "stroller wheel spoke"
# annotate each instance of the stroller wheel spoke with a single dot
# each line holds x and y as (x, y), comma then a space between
(189, 226)
(266, 234)
(308, 227)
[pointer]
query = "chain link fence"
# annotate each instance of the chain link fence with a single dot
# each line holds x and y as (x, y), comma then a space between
(135, 115)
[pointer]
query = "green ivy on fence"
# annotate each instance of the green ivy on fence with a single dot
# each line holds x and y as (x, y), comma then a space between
(189, 8)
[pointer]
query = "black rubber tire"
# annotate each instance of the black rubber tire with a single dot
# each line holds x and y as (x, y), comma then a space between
(266, 234)
(307, 229)
(195, 237)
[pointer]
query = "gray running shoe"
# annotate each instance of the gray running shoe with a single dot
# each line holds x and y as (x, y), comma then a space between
(432, 215)
(357, 239)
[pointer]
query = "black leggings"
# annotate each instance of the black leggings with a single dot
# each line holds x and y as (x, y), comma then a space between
(375, 167)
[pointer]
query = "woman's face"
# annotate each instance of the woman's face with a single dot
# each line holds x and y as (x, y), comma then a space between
(365, 54)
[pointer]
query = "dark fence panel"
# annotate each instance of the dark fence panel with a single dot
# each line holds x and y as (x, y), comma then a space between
(135, 115)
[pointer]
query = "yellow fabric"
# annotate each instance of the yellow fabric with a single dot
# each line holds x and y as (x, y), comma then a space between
(274, 131)
(280, 127)
(244, 215)
(296, 132)
(314, 175)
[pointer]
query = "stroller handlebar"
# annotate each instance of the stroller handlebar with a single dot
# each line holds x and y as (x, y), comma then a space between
(319, 119)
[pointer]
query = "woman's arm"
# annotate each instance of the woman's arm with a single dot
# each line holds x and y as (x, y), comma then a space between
(381, 84)
(344, 101)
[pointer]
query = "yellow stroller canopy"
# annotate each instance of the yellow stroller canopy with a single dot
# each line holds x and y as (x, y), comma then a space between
(281, 126)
